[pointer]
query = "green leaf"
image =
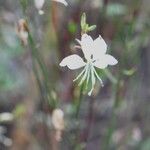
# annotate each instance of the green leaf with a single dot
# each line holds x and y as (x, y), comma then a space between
(146, 145)
(116, 9)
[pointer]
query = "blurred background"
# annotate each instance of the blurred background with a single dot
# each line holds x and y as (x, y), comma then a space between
(116, 117)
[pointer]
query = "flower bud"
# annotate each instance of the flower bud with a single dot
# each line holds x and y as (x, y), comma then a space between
(91, 28)
(58, 119)
(22, 31)
(58, 122)
(83, 20)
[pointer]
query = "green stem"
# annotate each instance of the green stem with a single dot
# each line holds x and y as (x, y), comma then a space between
(78, 104)
(36, 60)
(37, 77)
(113, 117)
(36, 56)
(24, 4)
(110, 76)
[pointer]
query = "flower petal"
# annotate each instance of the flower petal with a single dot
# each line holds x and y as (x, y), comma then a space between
(86, 45)
(62, 1)
(99, 47)
(111, 60)
(104, 61)
(72, 62)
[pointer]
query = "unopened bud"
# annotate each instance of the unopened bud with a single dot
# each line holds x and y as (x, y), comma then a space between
(58, 122)
(83, 20)
(85, 27)
(58, 119)
(22, 31)
(91, 28)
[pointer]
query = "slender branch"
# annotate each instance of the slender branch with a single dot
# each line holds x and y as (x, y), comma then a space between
(78, 104)
(76, 115)
(113, 116)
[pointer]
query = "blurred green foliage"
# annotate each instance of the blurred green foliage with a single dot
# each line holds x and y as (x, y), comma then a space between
(116, 9)
(10, 49)
(146, 145)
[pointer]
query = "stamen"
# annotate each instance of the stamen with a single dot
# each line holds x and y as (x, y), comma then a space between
(80, 74)
(98, 77)
(90, 92)
(77, 47)
(93, 81)
(88, 77)
(84, 76)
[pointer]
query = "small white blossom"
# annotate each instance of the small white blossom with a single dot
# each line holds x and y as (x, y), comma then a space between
(39, 4)
(95, 54)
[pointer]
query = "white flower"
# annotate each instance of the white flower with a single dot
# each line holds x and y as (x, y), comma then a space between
(39, 4)
(95, 54)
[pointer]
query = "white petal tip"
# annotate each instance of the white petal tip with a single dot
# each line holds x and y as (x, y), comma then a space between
(111, 60)
(66, 4)
(115, 61)
(90, 92)
(62, 64)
